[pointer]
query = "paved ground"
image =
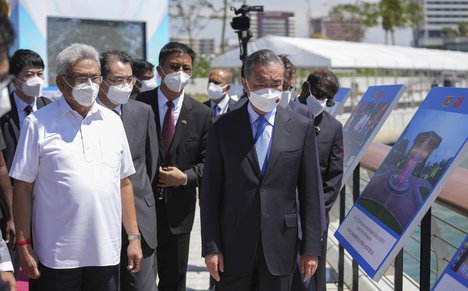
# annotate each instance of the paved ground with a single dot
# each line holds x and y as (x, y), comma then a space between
(198, 276)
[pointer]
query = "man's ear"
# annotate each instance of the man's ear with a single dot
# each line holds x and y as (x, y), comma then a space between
(246, 88)
(60, 82)
(16, 82)
(159, 71)
(228, 86)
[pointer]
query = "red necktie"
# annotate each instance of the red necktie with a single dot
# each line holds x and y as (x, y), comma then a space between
(168, 127)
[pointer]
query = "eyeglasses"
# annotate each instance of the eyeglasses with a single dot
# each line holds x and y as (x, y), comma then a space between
(81, 79)
(178, 67)
(121, 80)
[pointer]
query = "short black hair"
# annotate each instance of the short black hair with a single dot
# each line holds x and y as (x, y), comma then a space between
(323, 84)
(141, 66)
(109, 57)
(23, 58)
(7, 34)
(177, 48)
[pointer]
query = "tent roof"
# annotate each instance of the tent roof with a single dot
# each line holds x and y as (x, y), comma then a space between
(309, 52)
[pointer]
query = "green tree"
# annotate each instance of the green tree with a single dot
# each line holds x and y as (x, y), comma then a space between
(398, 13)
(201, 67)
(191, 15)
(355, 19)
(221, 13)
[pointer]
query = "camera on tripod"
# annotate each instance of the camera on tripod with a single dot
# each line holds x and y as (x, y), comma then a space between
(243, 22)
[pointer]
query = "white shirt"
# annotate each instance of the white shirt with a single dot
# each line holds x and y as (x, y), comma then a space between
(223, 104)
(269, 116)
(76, 165)
(20, 105)
(162, 100)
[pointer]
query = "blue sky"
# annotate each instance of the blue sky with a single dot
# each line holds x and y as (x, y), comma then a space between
(318, 8)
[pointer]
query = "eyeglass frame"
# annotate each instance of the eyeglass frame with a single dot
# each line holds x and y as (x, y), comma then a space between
(84, 79)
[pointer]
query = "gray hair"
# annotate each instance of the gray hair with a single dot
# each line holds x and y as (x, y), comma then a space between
(70, 55)
(263, 57)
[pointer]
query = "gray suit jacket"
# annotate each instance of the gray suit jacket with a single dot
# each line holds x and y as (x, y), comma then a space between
(140, 127)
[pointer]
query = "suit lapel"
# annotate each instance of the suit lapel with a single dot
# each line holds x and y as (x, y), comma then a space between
(281, 132)
(155, 107)
(14, 117)
(245, 133)
(182, 126)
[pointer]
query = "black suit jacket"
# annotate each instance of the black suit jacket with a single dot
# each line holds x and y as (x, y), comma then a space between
(140, 127)
(330, 151)
(230, 105)
(187, 153)
(9, 124)
(238, 206)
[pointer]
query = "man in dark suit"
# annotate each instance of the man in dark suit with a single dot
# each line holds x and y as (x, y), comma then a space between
(140, 127)
(317, 92)
(219, 83)
(257, 156)
(182, 125)
(27, 69)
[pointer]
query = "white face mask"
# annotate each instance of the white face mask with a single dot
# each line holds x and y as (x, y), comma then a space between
(315, 106)
(5, 105)
(215, 92)
(85, 94)
(176, 81)
(32, 87)
(285, 98)
(265, 99)
(119, 94)
(147, 85)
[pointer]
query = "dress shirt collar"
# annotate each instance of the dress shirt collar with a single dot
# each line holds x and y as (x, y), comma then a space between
(117, 109)
(20, 104)
(223, 104)
(162, 100)
(269, 116)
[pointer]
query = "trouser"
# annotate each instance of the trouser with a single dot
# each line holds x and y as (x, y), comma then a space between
(77, 279)
(143, 280)
(171, 254)
(260, 280)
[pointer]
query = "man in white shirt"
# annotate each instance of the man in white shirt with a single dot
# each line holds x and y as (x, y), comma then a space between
(72, 187)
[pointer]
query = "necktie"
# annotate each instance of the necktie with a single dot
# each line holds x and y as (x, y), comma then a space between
(261, 143)
(28, 109)
(168, 127)
(216, 110)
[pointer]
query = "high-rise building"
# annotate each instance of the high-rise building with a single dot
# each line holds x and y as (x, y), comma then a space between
(335, 30)
(280, 23)
(202, 46)
(437, 15)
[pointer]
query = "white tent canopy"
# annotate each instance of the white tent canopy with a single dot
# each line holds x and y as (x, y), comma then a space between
(309, 52)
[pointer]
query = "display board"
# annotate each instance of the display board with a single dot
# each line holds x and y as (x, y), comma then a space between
(340, 99)
(365, 121)
(455, 275)
(408, 181)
